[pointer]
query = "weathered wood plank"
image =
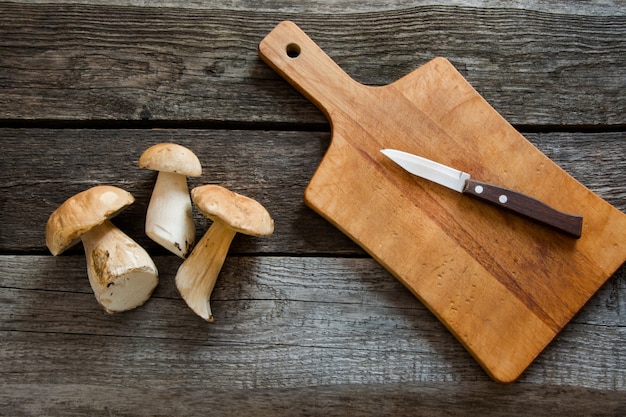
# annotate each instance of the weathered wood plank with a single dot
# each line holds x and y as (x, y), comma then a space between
(596, 8)
(476, 398)
(41, 168)
(87, 62)
(308, 306)
(312, 332)
(285, 329)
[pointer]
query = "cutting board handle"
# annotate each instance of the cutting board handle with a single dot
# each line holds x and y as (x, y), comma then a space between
(291, 53)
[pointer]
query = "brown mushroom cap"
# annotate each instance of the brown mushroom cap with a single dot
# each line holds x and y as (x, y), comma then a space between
(83, 212)
(240, 213)
(170, 157)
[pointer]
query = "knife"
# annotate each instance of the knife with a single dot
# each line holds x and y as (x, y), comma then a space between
(513, 201)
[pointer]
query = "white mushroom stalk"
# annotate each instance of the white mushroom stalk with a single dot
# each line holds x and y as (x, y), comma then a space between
(231, 213)
(197, 275)
(169, 218)
(121, 273)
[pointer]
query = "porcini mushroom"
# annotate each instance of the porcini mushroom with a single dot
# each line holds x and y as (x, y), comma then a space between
(121, 273)
(169, 219)
(231, 213)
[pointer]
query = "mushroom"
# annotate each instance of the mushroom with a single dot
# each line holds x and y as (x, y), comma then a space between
(121, 273)
(231, 213)
(169, 219)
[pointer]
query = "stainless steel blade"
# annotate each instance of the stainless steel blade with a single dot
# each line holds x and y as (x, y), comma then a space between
(430, 170)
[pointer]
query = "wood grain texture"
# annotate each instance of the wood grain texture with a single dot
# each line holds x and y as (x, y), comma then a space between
(501, 284)
(90, 62)
(307, 323)
(357, 400)
(608, 7)
(41, 168)
(286, 328)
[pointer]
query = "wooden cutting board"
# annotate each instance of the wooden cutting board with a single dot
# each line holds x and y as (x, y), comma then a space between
(504, 286)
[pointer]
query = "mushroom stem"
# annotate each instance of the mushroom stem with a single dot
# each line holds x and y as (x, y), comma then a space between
(169, 219)
(197, 275)
(121, 273)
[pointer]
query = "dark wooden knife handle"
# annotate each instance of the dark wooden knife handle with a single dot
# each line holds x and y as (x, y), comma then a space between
(526, 206)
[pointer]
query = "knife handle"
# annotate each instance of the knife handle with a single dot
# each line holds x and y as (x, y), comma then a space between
(526, 206)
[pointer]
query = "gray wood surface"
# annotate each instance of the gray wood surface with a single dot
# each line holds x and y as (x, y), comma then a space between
(78, 62)
(43, 167)
(305, 322)
(290, 332)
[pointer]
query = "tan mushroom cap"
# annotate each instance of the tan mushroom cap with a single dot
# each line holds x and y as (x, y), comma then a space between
(170, 157)
(83, 212)
(240, 213)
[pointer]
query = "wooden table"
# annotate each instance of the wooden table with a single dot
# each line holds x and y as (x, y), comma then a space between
(305, 322)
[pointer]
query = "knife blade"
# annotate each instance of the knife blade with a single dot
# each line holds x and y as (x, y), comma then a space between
(513, 201)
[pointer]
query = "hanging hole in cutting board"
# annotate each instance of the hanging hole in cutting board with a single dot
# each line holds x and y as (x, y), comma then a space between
(293, 50)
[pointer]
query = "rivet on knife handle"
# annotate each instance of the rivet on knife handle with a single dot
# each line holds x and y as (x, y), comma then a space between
(513, 201)
(526, 206)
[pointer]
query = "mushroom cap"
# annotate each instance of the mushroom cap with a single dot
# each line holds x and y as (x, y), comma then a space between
(170, 157)
(83, 212)
(240, 213)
